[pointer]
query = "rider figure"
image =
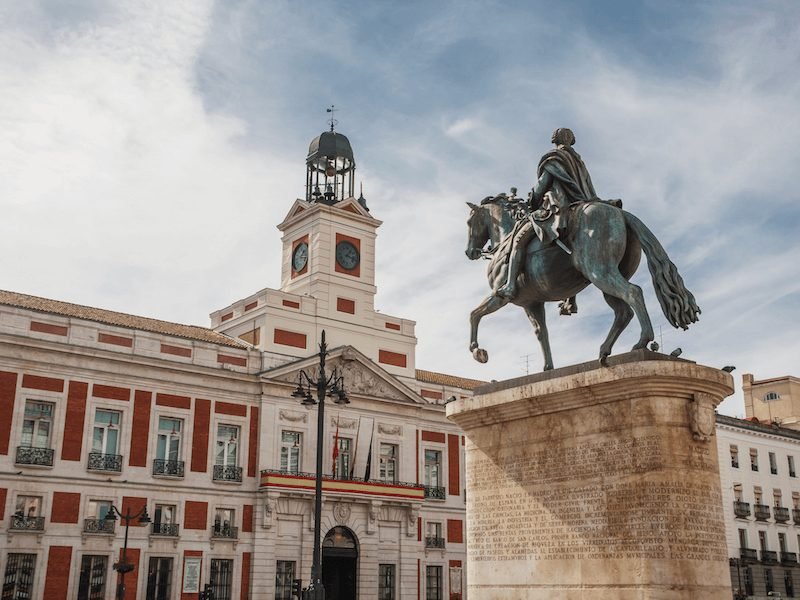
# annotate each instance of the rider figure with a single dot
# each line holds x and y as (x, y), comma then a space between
(563, 180)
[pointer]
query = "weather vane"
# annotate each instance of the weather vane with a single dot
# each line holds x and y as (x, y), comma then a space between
(333, 121)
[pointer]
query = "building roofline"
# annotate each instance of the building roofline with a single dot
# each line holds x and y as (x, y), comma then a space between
(756, 426)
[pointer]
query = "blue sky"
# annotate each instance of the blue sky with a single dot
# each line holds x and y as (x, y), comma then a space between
(150, 148)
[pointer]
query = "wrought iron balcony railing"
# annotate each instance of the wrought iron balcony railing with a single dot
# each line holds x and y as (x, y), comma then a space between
(781, 514)
(167, 529)
(22, 523)
(741, 509)
(167, 468)
(225, 532)
(227, 473)
(98, 526)
(769, 556)
(796, 516)
(105, 462)
(748, 554)
(41, 457)
(789, 557)
(435, 492)
(434, 542)
(761, 512)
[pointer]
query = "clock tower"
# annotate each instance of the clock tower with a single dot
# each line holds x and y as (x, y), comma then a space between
(327, 273)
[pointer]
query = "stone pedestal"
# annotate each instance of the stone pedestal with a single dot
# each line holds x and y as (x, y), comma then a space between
(589, 483)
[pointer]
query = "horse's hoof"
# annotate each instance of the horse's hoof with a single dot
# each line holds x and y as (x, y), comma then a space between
(473, 346)
(604, 360)
(480, 355)
(548, 367)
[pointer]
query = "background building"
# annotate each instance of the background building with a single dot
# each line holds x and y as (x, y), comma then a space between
(199, 425)
(761, 491)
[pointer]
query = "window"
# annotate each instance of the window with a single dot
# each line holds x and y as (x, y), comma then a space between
(433, 535)
(433, 582)
(343, 458)
(291, 444)
(753, 459)
(96, 517)
(737, 492)
(762, 540)
(777, 498)
(433, 461)
(284, 575)
(768, 583)
(771, 396)
(757, 496)
(734, 456)
(788, 583)
(159, 578)
(221, 578)
(227, 445)
(27, 514)
(92, 579)
(224, 519)
(792, 472)
(782, 542)
(742, 538)
(388, 471)
(748, 581)
(105, 435)
(773, 464)
(168, 442)
(18, 579)
(226, 458)
(386, 582)
(37, 424)
(165, 520)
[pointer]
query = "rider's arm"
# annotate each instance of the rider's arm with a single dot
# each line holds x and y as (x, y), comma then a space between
(540, 188)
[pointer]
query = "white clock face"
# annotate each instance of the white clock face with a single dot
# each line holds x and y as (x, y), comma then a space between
(347, 255)
(300, 257)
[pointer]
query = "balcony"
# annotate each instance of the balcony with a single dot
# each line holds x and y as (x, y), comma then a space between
(40, 457)
(781, 514)
(225, 532)
(741, 509)
(227, 473)
(435, 492)
(789, 558)
(165, 529)
(22, 523)
(434, 542)
(105, 462)
(748, 554)
(397, 490)
(769, 556)
(168, 468)
(796, 516)
(98, 526)
(761, 512)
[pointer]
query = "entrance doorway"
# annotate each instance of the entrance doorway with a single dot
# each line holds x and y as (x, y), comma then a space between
(339, 564)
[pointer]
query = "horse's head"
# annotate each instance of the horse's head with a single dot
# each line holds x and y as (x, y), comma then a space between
(479, 231)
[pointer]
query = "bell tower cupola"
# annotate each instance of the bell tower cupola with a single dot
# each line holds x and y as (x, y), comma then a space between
(330, 168)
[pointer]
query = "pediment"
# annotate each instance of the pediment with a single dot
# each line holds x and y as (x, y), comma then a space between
(362, 377)
(351, 205)
(298, 207)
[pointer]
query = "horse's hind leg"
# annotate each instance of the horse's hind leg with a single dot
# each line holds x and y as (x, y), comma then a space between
(622, 316)
(611, 282)
(489, 305)
(536, 314)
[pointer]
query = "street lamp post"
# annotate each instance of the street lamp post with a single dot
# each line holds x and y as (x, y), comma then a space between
(123, 566)
(325, 385)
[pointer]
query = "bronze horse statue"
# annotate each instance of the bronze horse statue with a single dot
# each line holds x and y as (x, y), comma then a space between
(606, 244)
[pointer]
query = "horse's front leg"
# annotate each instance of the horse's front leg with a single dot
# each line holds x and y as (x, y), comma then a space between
(489, 305)
(536, 315)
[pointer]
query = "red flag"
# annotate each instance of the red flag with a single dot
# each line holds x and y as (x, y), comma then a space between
(335, 448)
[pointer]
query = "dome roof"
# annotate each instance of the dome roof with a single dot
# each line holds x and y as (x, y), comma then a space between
(329, 144)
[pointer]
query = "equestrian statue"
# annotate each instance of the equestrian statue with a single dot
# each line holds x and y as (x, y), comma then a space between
(562, 238)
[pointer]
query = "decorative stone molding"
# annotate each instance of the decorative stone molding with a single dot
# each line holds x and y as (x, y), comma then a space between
(413, 516)
(341, 512)
(294, 417)
(343, 423)
(701, 416)
(387, 429)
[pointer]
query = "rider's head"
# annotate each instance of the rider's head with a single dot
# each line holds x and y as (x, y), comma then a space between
(563, 137)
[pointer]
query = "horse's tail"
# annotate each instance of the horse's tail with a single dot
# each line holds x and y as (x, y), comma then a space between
(676, 301)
